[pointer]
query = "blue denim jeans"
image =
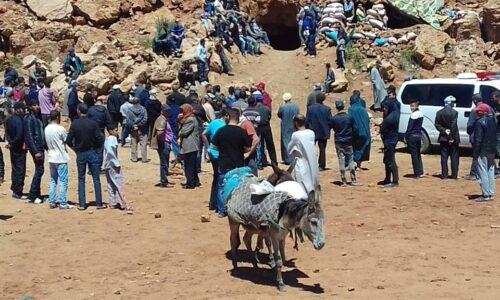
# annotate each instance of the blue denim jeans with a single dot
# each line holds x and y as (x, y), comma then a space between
(221, 204)
(214, 193)
(58, 174)
(90, 159)
(164, 154)
(486, 170)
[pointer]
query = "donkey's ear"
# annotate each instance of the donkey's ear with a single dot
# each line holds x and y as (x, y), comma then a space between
(317, 194)
(292, 166)
(276, 169)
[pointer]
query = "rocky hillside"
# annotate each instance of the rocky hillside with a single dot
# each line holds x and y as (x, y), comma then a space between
(113, 39)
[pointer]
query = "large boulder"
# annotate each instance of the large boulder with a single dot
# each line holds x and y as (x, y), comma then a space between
(430, 47)
(101, 77)
(465, 28)
(387, 70)
(491, 20)
(341, 83)
(60, 86)
(99, 12)
(139, 74)
(54, 10)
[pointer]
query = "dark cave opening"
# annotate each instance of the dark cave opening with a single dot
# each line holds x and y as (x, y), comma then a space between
(281, 26)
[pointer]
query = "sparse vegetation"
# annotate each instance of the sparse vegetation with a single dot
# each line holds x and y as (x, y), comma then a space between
(148, 42)
(407, 59)
(355, 56)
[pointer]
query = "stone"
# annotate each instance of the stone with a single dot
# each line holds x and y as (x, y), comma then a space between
(139, 74)
(97, 48)
(54, 10)
(430, 46)
(387, 70)
(157, 215)
(205, 218)
(101, 77)
(465, 28)
(29, 61)
(99, 12)
(341, 83)
(491, 20)
(215, 63)
(60, 86)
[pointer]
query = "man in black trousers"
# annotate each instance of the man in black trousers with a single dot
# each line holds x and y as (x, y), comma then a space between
(449, 137)
(34, 138)
(15, 143)
(413, 138)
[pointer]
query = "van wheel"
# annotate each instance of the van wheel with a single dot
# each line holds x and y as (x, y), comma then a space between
(425, 146)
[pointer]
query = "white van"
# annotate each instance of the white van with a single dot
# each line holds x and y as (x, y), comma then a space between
(431, 94)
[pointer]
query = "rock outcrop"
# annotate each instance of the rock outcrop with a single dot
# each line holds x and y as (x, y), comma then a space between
(101, 77)
(54, 10)
(491, 21)
(99, 12)
(430, 47)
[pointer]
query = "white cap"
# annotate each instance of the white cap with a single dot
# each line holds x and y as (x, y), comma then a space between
(450, 99)
(116, 87)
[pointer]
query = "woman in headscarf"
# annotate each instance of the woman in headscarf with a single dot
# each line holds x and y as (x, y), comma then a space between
(190, 144)
(361, 129)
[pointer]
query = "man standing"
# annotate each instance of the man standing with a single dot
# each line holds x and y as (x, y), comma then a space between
(115, 101)
(58, 157)
(73, 100)
(2, 167)
(413, 137)
(484, 148)
(125, 127)
(85, 138)
(361, 129)
(47, 100)
(378, 85)
(266, 135)
(15, 143)
(302, 151)
(267, 101)
(137, 120)
(342, 125)
(161, 141)
(35, 140)
(311, 98)
(318, 120)
(496, 103)
(202, 58)
(389, 132)
(176, 97)
(232, 142)
(99, 113)
(449, 137)
(287, 113)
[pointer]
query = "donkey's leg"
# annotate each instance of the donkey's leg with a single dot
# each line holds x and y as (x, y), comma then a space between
(259, 246)
(234, 240)
(247, 239)
(272, 262)
(279, 264)
(282, 251)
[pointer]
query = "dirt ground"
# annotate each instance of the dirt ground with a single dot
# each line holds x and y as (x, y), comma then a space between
(423, 240)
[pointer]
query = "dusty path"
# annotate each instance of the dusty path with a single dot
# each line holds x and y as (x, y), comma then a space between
(423, 240)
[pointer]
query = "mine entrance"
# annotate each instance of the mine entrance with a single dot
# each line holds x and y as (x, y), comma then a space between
(281, 26)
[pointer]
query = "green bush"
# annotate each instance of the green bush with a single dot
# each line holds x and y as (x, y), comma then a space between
(407, 59)
(147, 42)
(355, 56)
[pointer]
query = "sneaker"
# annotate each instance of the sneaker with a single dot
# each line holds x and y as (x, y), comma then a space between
(471, 177)
(66, 206)
(355, 183)
(53, 205)
(390, 185)
(81, 208)
(19, 197)
(104, 206)
(483, 199)
(37, 201)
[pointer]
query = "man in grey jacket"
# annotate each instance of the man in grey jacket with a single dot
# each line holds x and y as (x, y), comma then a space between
(137, 120)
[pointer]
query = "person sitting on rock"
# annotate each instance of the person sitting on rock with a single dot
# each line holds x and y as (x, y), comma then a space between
(163, 43)
(73, 67)
(330, 78)
(257, 33)
(186, 75)
(37, 73)
(231, 5)
(177, 34)
(10, 77)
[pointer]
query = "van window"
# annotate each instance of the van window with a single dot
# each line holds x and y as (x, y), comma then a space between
(486, 92)
(434, 94)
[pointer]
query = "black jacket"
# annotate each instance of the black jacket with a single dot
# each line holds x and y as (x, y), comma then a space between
(342, 125)
(15, 133)
(485, 139)
(390, 125)
(84, 135)
(414, 124)
(447, 118)
(33, 134)
(101, 115)
(115, 101)
(154, 110)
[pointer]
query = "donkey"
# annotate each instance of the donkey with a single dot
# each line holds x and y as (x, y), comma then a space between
(305, 215)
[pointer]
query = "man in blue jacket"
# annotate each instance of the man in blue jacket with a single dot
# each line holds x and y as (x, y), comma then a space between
(342, 125)
(484, 149)
(318, 120)
(15, 143)
(34, 138)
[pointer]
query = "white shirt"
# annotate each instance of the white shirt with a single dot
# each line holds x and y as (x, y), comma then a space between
(55, 137)
(125, 108)
(110, 154)
(303, 150)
